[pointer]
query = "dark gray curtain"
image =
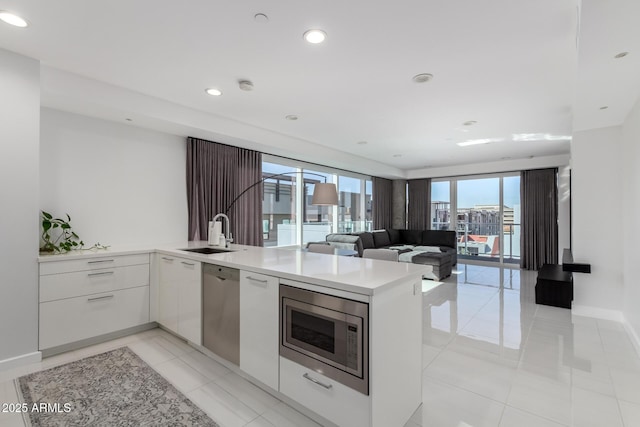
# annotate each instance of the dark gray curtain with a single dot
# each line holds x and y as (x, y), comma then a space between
(216, 175)
(419, 210)
(539, 199)
(382, 203)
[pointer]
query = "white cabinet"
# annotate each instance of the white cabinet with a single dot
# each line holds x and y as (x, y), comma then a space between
(336, 402)
(190, 301)
(73, 319)
(180, 296)
(259, 335)
(88, 297)
(168, 292)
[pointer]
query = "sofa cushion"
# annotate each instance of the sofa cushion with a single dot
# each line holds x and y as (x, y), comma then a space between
(381, 238)
(367, 240)
(394, 236)
(411, 237)
(435, 249)
(343, 241)
(341, 238)
(438, 238)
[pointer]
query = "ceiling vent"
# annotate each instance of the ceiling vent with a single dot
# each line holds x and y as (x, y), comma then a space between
(245, 85)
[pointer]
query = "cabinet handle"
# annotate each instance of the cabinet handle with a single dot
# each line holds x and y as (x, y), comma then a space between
(188, 263)
(315, 381)
(102, 260)
(253, 279)
(103, 273)
(167, 259)
(99, 298)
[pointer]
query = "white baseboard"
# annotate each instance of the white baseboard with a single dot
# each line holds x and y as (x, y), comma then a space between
(635, 339)
(596, 312)
(21, 360)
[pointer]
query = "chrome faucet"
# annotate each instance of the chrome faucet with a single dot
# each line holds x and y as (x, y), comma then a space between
(228, 237)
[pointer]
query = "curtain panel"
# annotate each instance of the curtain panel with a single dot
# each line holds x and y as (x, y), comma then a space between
(382, 203)
(216, 175)
(539, 199)
(419, 209)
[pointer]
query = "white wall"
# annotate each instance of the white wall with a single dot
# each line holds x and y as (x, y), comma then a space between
(631, 220)
(19, 124)
(121, 185)
(597, 177)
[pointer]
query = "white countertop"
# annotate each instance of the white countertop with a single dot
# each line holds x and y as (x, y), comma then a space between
(351, 274)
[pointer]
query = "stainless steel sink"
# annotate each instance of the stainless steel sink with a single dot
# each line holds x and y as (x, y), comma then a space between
(206, 250)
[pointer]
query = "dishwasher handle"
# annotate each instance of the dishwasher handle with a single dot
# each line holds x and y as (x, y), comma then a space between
(221, 273)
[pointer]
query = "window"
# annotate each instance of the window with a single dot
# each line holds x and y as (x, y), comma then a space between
(289, 218)
(318, 220)
(279, 205)
(354, 209)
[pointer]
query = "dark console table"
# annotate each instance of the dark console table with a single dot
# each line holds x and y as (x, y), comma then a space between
(554, 285)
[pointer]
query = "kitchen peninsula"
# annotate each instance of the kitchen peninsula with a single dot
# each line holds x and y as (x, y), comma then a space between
(91, 295)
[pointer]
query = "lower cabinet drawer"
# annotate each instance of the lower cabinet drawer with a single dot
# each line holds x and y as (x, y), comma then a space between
(336, 402)
(69, 285)
(73, 319)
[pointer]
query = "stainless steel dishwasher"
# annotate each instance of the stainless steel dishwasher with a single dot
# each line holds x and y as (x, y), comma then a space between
(221, 311)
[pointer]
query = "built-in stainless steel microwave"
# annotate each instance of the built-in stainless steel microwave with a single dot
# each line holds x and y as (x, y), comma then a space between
(327, 334)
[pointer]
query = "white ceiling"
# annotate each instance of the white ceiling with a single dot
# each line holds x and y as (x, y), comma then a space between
(512, 66)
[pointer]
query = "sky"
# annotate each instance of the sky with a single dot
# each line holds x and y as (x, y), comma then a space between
(484, 191)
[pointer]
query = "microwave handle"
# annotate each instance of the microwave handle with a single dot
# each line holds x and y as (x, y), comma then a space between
(315, 381)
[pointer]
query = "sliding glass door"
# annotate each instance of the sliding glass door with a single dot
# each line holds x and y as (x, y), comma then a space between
(511, 220)
(487, 215)
(440, 205)
(479, 218)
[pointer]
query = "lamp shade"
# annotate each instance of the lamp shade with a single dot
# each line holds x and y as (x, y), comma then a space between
(324, 194)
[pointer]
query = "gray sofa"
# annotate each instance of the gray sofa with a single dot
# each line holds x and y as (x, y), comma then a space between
(436, 248)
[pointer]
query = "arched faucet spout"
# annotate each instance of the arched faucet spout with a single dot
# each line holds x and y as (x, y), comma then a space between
(229, 236)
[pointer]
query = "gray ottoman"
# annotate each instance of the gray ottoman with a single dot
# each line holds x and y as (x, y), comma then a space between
(440, 264)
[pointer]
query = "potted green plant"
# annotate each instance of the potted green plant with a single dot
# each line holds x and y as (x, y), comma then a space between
(58, 237)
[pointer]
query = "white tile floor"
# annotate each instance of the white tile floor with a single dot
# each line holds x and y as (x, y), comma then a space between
(492, 357)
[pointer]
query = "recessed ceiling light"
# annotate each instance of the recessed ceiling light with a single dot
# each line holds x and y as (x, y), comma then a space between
(315, 36)
(362, 142)
(13, 19)
(214, 92)
(470, 123)
(604, 107)
(621, 55)
(422, 78)
(291, 117)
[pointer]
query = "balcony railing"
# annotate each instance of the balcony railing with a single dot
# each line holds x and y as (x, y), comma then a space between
(354, 226)
(284, 233)
(482, 240)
